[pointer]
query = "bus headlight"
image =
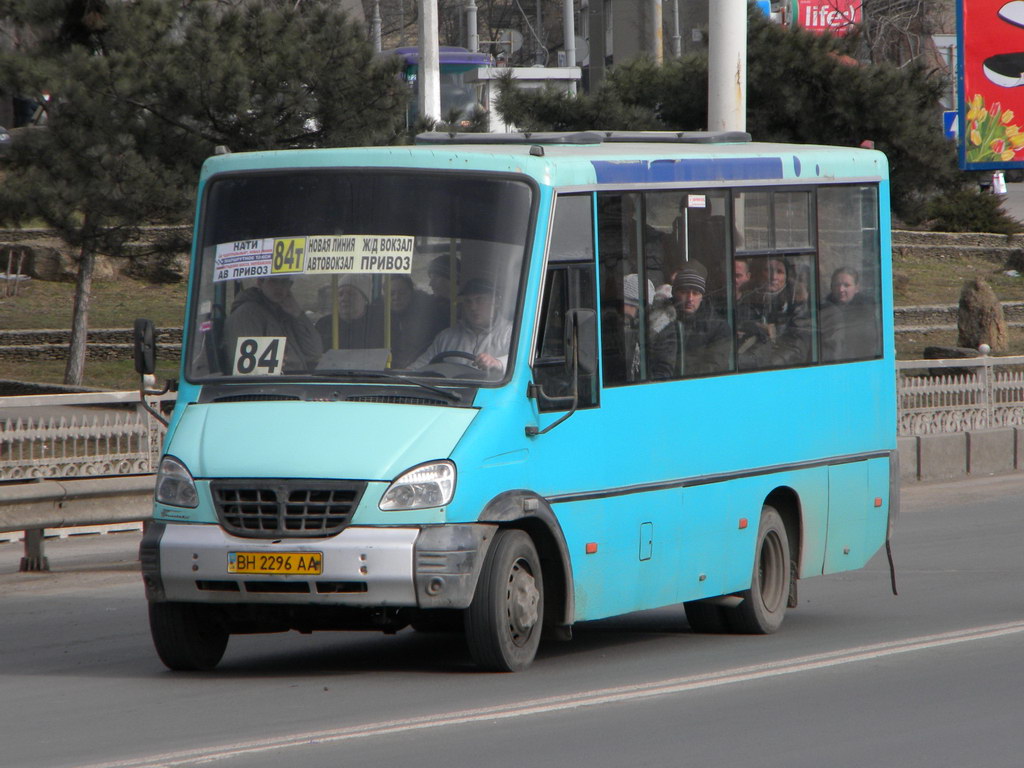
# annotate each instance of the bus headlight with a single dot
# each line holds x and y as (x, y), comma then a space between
(174, 484)
(428, 485)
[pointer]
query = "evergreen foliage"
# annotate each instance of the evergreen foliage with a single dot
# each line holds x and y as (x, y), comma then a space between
(140, 93)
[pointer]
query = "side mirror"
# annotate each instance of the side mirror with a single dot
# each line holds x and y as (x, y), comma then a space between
(145, 347)
(581, 340)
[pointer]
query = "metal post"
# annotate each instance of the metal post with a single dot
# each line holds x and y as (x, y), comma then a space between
(597, 44)
(655, 35)
(375, 25)
(677, 39)
(541, 54)
(727, 65)
(429, 78)
(34, 559)
(472, 32)
(569, 38)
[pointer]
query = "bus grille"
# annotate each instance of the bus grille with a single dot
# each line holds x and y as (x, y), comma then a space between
(272, 509)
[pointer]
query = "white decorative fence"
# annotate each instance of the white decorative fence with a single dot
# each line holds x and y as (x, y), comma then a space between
(98, 434)
(948, 396)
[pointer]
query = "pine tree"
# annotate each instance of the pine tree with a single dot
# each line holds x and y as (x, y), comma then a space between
(140, 93)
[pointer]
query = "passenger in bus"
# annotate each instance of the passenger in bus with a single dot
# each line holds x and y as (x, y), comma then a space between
(416, 318)
(741, 277)
(355, 328)
(773, 320)
(698, 341)
(270, 309)
(481, 333)
(849, 322)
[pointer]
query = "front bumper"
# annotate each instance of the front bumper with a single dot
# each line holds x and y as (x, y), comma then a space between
(422, 567)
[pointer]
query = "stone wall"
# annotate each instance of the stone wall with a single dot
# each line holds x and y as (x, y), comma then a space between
(158, 255)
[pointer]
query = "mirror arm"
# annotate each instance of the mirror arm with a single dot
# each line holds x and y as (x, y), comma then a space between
(532, 431)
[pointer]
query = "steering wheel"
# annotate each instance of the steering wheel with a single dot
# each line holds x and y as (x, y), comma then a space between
(452, 353)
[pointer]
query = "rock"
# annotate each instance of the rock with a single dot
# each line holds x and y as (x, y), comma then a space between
(980, 317)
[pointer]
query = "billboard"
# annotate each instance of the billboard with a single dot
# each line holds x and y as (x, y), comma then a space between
(990, 35)
(833, 16)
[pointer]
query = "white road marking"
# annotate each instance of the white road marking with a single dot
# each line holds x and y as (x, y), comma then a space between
(592, 698)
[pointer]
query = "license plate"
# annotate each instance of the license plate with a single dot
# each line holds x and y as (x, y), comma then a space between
(283, 563)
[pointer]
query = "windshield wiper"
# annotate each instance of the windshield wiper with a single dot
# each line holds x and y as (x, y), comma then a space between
(453, 396)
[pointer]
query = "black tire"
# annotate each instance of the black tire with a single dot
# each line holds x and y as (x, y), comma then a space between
(764, 604)
(706, 617)
(188, 637)
(505, 619)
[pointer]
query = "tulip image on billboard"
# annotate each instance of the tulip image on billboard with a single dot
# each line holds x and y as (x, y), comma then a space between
(990, 34)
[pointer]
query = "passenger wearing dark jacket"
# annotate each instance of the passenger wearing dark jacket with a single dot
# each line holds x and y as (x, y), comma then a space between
(698, 342)
(772, 321)
(849, 320)
(270, 309)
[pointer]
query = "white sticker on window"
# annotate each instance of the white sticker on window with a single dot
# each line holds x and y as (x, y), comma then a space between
(696, 201)
(259, 355)
(315, 255)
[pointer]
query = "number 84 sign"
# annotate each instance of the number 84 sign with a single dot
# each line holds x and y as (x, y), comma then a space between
(259, 355)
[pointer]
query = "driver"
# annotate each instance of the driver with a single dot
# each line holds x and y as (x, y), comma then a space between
(479, 334)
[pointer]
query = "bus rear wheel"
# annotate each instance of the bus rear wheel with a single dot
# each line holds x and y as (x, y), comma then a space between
(764, 604)
(505, 619)
(188, 637)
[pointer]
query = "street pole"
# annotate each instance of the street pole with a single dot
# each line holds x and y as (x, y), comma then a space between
(677, 39)
(569, 38)
(655, 36)
(727, 65)
(375, 26)
(429, 78)
(472, 33)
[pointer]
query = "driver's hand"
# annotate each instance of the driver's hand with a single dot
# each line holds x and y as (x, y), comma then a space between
(487, 362)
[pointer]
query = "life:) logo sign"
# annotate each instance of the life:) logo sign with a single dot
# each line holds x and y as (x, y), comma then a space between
(835, 16)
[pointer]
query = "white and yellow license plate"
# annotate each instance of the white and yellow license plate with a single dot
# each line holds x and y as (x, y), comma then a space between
(282, 563)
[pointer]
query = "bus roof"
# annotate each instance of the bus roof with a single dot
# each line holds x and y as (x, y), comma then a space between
(592, 158)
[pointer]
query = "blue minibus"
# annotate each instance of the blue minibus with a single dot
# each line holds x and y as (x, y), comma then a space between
(503, 384)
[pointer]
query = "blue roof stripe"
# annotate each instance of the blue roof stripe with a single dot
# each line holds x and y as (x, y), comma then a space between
(689, 169)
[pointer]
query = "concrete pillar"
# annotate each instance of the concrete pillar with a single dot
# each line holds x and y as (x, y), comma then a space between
(429, 77)
(727, 65)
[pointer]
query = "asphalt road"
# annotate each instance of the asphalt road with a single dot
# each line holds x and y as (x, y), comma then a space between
(855, 677)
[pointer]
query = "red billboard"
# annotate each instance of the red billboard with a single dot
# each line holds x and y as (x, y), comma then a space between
(990, 34)
(833, 16)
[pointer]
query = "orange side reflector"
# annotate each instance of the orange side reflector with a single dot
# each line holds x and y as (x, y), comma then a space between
(878, 501)
(591, 547)
(743, 523)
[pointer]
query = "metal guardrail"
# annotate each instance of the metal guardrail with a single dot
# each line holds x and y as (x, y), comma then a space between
(90, 459)
(75, 460)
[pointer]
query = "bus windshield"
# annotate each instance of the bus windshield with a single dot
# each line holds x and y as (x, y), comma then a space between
(314, 274)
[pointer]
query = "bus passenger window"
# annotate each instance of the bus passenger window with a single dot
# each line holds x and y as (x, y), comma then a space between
(774, 324)
(697, 341)
(850, 322)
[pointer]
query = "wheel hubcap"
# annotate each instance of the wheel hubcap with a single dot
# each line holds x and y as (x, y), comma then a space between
(523, 601)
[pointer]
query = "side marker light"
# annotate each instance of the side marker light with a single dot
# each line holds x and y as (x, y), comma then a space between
(591, 547)
(744, 523)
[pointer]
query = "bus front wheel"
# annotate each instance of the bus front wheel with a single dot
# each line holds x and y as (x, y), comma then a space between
(504, 621)
(764, 604)
(187, 637)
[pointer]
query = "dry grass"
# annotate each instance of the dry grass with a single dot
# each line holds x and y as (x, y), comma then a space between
(923, 280)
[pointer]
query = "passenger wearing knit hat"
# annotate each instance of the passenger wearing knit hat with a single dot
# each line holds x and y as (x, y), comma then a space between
(692, 275)
(688, 288)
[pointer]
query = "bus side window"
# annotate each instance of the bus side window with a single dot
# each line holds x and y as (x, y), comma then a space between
(848, 241)
(568, 284)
